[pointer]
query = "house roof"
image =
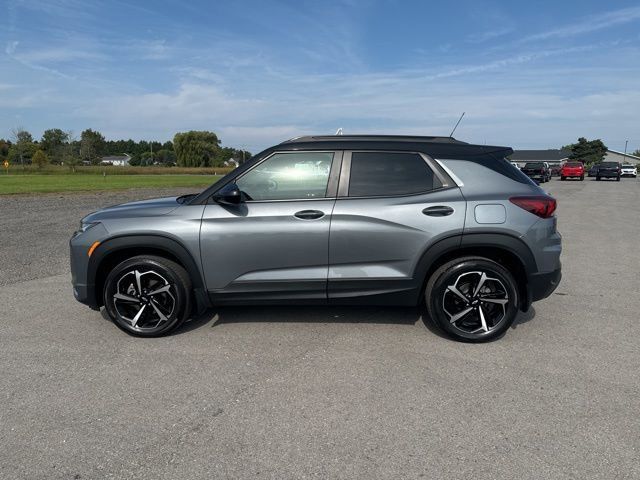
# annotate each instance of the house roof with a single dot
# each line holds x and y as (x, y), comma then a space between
(553, 154)
(624, 154)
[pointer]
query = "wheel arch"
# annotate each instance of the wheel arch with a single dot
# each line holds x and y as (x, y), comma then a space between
(115, 250)
(507, 250)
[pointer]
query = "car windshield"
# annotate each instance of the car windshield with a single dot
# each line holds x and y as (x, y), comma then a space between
(573, 164)
(628, 166)
(533, 165)
(609, 164)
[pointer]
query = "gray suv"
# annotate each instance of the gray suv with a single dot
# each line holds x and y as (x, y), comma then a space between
(376, 220)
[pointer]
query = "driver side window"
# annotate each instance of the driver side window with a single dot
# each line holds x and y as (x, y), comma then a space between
(288, 176)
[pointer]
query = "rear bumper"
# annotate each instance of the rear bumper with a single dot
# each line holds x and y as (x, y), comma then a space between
(541, 285)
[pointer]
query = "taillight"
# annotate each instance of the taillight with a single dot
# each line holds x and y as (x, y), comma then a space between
(540, 205)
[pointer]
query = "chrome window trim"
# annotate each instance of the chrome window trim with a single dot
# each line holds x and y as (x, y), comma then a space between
(453, 176)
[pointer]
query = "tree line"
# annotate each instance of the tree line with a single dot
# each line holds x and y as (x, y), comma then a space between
(57, 146)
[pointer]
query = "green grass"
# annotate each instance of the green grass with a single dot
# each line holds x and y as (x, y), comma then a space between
(31, 183)
(113, 170)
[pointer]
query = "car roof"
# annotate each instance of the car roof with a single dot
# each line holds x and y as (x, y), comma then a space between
(439, 147)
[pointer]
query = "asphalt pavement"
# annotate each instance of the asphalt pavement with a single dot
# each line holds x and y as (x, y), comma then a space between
(309, 392)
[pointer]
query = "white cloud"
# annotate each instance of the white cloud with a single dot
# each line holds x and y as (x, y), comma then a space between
(590, 24)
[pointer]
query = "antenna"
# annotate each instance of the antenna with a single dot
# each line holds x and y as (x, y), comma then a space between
(454, 128)
(339, 131)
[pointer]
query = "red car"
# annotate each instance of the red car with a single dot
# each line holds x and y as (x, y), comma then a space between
(572, 169)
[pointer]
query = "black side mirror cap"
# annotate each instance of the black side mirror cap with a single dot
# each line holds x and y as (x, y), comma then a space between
(230, 194)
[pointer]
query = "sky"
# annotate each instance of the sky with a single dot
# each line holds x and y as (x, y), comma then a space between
(528, 74)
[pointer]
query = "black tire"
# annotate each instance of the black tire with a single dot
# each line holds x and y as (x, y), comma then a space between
(465, 274)
(145, 313)
(617, 179)
(563, 178)
(581, 177)
(598, 179)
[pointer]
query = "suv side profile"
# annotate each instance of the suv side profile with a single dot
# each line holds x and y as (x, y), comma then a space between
(377, 220)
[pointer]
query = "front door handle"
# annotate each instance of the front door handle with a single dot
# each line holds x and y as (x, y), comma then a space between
(309, 214)
(438, 211)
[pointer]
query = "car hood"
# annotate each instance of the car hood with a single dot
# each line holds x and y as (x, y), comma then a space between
(144, 208)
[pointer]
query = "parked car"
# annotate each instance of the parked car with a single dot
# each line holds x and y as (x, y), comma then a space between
(377, 220)
(609, 170)
(629, 171)
(537, 171)
(572, 170)
(593, 171)
(555, 170)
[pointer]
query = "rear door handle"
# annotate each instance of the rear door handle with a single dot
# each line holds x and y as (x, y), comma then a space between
(309, 214)
(438, 211)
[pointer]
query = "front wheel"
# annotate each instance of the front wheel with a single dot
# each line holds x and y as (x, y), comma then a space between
(473, 299)
(563, 178)
(598, 179)
(581, 177)
(617, 179)
(147, 296)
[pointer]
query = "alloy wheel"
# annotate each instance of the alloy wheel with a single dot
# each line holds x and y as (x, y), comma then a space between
(145, 300)
(475, 303)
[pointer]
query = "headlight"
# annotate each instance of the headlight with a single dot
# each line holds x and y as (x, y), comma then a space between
(84, 227)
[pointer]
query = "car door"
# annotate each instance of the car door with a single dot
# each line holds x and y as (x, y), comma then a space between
(274, 244)
(391, 207)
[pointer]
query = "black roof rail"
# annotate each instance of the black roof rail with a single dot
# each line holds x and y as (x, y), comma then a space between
(374, 138)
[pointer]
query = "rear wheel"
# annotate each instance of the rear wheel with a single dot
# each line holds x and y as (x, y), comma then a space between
(598, 179)
(563, 178)
(473, 299)
(581, 177)
(147, 295)
(617, 179)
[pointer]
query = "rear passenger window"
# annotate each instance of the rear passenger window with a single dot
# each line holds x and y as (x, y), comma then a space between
(386, 173)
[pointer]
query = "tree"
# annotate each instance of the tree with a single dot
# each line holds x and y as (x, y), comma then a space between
(5, 145)
(196, 148)
(40, 158)
(53, 143)
(92, 146)
(23, 146)
(636, 153)
(587, 151)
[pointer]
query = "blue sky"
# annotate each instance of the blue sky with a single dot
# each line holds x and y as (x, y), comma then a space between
(528, 74)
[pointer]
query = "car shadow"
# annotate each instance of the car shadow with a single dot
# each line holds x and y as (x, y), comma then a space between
(323, 314)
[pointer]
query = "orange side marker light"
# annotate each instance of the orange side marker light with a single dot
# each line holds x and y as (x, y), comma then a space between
(93, 246)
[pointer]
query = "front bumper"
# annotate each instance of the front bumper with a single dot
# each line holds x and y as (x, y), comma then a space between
(79, 245)
(541, 285)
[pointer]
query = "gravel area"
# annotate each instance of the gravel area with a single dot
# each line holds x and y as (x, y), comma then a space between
(35, 229)
(316, 392)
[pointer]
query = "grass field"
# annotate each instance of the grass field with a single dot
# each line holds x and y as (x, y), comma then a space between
(69, 182)
(112, 170)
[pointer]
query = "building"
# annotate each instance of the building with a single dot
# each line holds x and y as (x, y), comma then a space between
(551, 156)
(117, 160)
(615, 156)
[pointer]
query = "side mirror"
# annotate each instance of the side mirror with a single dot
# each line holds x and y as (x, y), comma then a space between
(229, 195)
